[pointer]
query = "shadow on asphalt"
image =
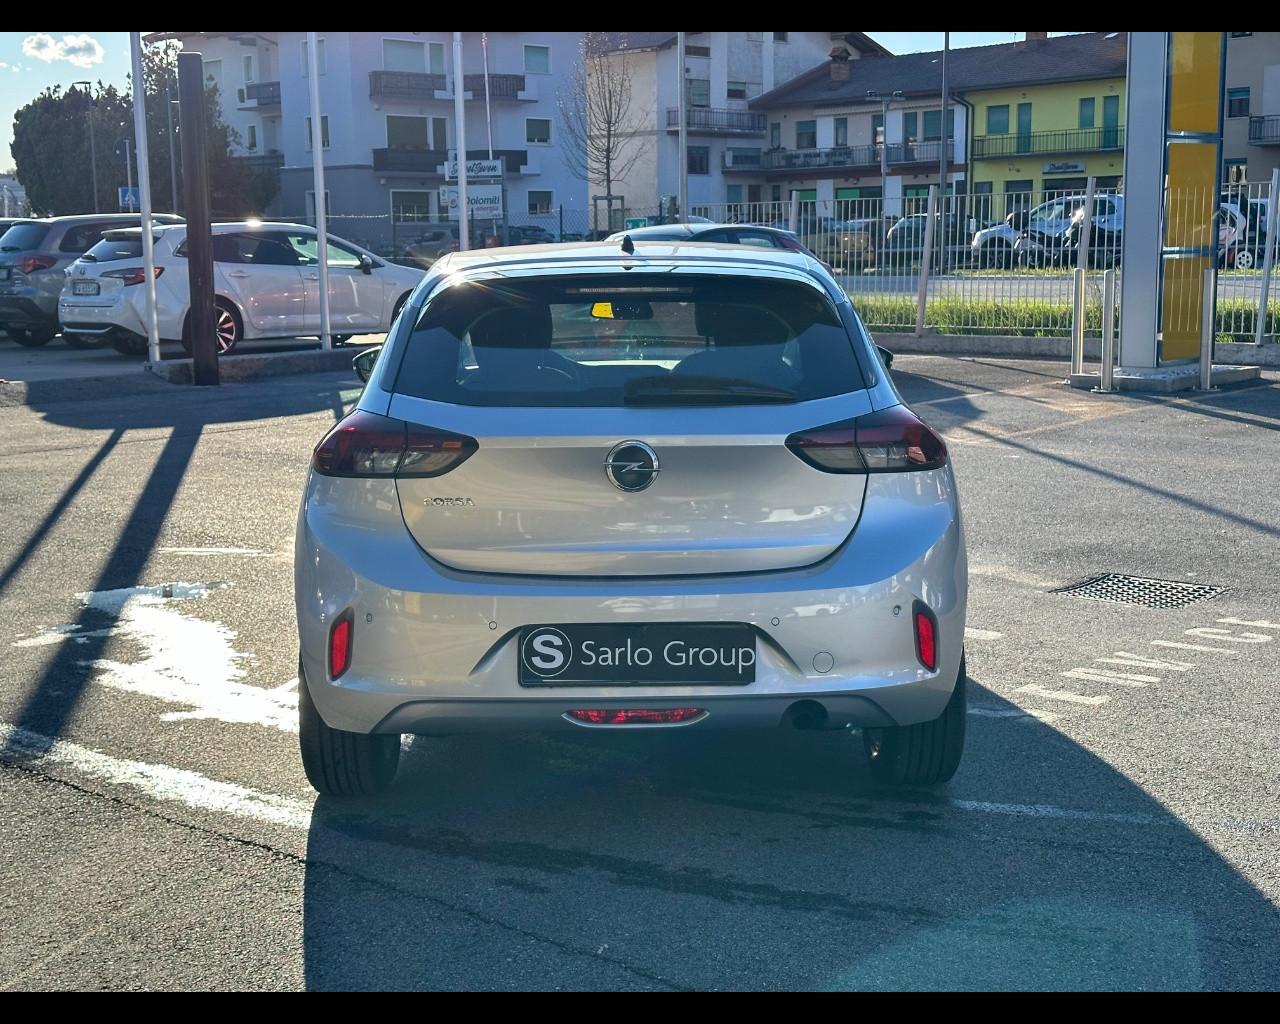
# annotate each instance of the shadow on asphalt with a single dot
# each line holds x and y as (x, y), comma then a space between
(770, 861)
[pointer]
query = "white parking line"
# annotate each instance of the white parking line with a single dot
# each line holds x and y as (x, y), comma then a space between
(1014, 713)
(1064, 695)
(175, 785)
(1191, 647)
(1102, 675)
(247, 552)
(981, 634)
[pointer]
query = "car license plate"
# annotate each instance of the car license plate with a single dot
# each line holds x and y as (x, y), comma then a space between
(634, 654)
(84, 287)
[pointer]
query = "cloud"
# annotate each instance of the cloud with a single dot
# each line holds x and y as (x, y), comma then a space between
(82, 51)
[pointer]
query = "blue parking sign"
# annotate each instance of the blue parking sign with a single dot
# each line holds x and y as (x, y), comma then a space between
(129, 198)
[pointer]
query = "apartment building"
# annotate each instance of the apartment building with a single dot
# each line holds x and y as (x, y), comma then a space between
(1251, 123)
(725, 72)
(1035, 114)
(388, 126)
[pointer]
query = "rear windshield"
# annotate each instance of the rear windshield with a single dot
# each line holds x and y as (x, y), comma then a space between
(583, 342)
(116, 249)
(23, 236)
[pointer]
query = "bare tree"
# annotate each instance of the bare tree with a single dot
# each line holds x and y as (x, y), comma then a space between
(597, 116)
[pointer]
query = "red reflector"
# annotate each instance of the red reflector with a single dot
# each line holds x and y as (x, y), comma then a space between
(926, 637)
(340, 646)
(635, 716)
(30, 264)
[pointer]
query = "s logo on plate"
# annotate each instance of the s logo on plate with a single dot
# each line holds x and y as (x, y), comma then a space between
(546, 652)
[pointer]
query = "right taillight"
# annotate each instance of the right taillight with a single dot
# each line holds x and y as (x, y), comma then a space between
(365, 444)
(926, 626)
(889, 441)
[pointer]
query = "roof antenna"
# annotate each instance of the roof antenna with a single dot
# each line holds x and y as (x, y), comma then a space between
(628, 246)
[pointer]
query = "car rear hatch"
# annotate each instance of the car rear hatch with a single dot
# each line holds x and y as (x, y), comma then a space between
(609, 429)
(112, 264)
(19, 255)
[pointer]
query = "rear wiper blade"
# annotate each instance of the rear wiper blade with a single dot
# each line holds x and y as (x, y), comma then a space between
(687, 389)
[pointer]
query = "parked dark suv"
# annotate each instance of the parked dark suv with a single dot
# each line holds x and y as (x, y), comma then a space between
(33, 255)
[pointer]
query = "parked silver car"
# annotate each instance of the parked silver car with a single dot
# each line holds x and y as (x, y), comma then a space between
(629, 486)
(34, 254)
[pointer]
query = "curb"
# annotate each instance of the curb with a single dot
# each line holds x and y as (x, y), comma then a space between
(266, 364)
(932, 344)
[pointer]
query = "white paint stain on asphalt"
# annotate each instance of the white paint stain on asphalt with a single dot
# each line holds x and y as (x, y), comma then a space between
(981, 634)
(158, 781)
(184, 659)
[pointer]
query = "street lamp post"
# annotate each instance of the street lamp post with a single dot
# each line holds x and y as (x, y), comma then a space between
(173, 159)
(872, 96)
(93, 156)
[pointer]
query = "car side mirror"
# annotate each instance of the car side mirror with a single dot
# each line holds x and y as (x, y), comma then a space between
(366, 264)
(363, 363)
(886, 356)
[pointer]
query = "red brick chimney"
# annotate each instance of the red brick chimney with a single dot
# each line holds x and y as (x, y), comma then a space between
(1037, 35)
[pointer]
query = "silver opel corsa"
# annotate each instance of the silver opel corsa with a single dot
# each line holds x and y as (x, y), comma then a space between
(637, 486)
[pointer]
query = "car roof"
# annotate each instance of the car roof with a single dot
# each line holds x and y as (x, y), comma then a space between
(96, 218)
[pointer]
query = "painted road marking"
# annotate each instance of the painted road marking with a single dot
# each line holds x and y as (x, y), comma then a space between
(173, 785)
(1101, 675)
(1192, 647)
(185, 660)
(1257, 624)
(981, 634)
(1140, 661)
(247, 552)
(1063, 695)
(981, 711)
(1213, 633)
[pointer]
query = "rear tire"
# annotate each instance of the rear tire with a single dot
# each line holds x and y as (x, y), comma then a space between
(926, 754)
(33, 337)
(129, 345)
(227, 325)
(340, 763)
(83, 341)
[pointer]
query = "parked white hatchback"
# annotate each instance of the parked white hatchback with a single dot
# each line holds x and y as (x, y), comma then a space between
(266, 284)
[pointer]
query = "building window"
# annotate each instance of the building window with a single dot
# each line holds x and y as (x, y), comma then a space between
(806, 135)
(775, 135)
(440, 133)
(1237, 103)
(248, 69)
(537, 61)
(324, 131)
(737, 90)
(251, 141)
(933, 123)
(406, 132)
(697, 51)
(699, 159)
(982, 200)
(841, 134)
(780, 37)
(775, 193)
(537, 131)
(1086, 112)
(410, 207)
(435, 58)
(321, 65)
(1235, 170)
(877, 129)
(213, 74)
(1240, 35)
(402, 55)
(733, 193)
(998, 120)
(541, 201)
(699, 92)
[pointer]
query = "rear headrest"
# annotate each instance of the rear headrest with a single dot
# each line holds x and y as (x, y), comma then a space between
(730, 323)
(514, 327)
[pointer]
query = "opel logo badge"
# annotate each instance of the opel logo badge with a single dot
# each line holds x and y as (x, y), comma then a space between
(631, 466)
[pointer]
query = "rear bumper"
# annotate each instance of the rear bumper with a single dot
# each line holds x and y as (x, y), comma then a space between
(19, 311)
(435, 650)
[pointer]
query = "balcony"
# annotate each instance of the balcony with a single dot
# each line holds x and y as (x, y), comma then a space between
(501, 87)
(864, 159)
(715, 121)
(1265, 130)
(263, 163)
(430, 162)
(743, 160)
(1071, 140)
(265, 94)
(410, 86)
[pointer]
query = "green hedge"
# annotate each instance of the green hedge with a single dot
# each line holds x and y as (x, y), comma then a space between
(1033, 318)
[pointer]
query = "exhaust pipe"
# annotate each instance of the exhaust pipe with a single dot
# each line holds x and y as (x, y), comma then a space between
(806, 714)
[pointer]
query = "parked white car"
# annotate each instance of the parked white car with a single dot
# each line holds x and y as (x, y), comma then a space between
(266, 284)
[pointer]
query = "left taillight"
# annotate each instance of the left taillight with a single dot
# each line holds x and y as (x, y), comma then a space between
(132, 275)
(341, 637)
(889, 441)
(30, 264)
(364, 444)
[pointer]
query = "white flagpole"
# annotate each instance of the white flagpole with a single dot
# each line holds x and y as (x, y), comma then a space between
(317, 170)
(488, 118)
(144, 191)
(460, 137)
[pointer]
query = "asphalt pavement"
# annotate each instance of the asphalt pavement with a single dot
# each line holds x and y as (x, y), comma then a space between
(1113, 825)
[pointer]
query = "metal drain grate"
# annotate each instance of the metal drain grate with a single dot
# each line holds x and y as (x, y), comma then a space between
(1137, 590)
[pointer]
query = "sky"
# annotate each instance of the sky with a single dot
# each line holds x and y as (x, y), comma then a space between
(31, 61)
